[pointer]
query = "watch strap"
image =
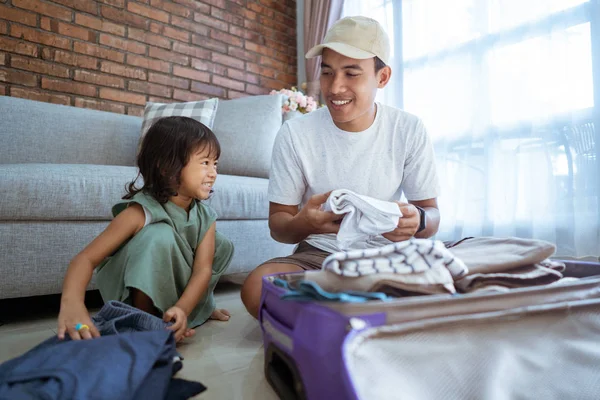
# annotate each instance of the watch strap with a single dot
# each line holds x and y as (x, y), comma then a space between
(423, 217)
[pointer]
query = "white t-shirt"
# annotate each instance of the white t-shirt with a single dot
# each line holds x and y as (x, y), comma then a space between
(311, 155)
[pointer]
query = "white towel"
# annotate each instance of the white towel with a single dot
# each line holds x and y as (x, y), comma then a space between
(364, 216)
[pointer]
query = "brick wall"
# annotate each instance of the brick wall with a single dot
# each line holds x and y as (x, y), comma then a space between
(115, 55)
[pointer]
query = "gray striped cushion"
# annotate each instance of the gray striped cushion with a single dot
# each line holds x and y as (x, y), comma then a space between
(203, 111)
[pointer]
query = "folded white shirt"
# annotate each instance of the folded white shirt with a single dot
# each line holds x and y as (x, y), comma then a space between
(364, 216)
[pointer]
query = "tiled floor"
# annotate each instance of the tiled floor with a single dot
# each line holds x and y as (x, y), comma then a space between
(227, 357)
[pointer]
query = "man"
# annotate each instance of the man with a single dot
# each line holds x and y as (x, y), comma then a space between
(354, 144)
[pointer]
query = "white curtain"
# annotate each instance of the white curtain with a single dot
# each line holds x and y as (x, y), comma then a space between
(506, 90)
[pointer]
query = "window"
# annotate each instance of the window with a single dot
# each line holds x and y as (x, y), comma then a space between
(471, 64)
(507, 90)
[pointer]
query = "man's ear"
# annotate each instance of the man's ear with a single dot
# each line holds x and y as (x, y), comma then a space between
(383, 76)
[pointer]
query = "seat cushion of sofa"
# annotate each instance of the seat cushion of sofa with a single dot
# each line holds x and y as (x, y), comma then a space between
(39, 192)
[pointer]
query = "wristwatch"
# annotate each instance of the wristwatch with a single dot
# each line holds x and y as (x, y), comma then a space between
(423, 216)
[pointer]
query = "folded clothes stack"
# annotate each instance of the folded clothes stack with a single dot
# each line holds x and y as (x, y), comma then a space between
(423, 266)
(311, 291)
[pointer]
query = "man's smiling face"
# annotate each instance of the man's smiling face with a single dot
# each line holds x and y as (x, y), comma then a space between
(349, 87)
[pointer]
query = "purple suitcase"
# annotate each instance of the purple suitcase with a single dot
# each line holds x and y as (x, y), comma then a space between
(311, 349)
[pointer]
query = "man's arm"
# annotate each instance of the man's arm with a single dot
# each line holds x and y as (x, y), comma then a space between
(432, 217)
(288, 224)
(420, 180)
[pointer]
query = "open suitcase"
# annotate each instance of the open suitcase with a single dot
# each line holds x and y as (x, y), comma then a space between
(530, 343)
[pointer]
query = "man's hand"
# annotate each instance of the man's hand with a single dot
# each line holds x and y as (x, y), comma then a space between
(317, 220)
(291, 224)
(408, 225)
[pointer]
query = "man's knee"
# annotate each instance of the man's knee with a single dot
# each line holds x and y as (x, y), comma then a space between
(252, 288)
(254, 280)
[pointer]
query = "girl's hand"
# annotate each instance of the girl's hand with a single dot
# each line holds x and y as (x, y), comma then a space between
(72, 314)
(179, 318)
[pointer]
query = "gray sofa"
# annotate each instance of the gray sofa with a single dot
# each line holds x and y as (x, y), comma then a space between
(62, 168)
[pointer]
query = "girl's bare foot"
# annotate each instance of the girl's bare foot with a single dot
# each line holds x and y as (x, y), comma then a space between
(189, 332)
(220, 314)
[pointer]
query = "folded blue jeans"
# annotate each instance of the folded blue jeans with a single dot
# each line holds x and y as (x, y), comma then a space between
(116, 317)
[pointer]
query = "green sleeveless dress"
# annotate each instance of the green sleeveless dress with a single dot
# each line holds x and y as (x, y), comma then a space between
(159, 259)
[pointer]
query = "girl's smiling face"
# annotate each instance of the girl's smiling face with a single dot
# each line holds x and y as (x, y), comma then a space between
(198, 176)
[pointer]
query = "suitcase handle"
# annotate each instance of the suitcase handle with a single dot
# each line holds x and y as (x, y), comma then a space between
(280, 369)
(281, 334)
(282, 374)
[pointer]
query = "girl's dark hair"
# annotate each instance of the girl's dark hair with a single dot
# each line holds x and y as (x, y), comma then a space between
(166, 149)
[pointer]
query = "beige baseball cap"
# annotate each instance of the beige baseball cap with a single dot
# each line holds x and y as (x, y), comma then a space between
(355, 37)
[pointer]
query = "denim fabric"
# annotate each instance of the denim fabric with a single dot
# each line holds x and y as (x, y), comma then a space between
(135, 358)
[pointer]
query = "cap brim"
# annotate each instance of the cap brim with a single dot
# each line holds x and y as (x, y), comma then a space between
(342, 48)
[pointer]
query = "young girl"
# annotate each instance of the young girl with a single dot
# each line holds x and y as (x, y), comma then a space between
(161, 252)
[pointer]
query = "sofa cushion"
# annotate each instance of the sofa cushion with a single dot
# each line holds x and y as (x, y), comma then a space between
(36, 132)
(202, 111)
(88, 192)
(61, 191)
(246, 129)
(240, 197)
